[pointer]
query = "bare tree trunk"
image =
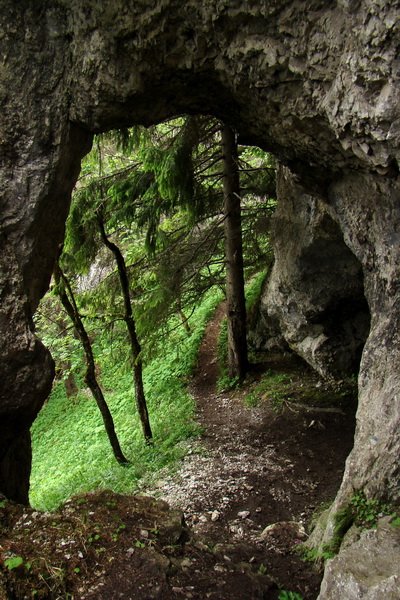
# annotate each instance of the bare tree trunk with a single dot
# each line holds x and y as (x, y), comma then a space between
(90, 377)
(71, 388)
(135, 345)
(236, 306)
(182, 317)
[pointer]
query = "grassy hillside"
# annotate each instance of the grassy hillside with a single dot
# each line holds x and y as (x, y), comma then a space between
(71, 452)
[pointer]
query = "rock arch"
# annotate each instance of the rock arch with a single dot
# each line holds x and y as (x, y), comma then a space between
(316, 82)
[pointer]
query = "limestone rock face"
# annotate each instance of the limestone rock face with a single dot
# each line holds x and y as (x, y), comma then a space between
(374, 234)
(369, 569)
(315, 290)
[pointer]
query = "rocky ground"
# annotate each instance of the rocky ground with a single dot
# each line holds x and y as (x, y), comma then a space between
(242, 500)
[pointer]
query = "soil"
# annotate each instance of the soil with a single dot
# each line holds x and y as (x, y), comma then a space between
(226, 525)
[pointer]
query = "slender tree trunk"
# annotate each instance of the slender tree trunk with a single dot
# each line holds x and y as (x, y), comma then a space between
(236, 306)
(182, 317)
(90, 377)
(70, 385)
(71, 388)
(130, 324)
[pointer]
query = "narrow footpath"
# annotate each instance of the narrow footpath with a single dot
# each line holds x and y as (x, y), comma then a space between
(249, 486)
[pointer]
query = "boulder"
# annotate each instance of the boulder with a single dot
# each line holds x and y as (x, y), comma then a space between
(369, 569)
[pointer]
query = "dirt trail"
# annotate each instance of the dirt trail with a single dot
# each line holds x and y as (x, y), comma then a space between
(254, 467)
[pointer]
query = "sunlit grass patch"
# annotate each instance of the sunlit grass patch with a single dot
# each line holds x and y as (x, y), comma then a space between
(71, 452)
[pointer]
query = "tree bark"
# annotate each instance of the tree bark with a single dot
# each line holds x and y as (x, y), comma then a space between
(182, 317)
(134, 341)
(236, 306)
(90, 377)
(71, 389)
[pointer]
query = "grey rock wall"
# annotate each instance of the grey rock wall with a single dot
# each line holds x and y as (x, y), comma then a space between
(315, 290)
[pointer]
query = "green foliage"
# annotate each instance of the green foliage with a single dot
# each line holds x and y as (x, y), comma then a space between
(262, 569)
(361, 512)
(14, 562)
(55, 330)
(279, 389)
(228, 383)
(313, 555)
(366, 512)
(343, 520)
(273, 387)
(285, 595)
(161, 190)
(254, 289)
(71, 453)
(252, 292)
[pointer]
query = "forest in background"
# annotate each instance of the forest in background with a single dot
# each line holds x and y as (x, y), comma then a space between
(141, 271)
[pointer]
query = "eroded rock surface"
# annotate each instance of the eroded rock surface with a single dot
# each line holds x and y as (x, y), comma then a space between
(315, 290)
(369, 569)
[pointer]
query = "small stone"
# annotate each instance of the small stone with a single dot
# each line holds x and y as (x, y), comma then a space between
(215, 515)
(186, 563)
(243, 514)
(219, 569)
(295, 530)
(202, 546)
(223, 548)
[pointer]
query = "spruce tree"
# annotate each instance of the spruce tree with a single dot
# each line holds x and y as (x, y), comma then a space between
(236, 304)
(159, 194)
